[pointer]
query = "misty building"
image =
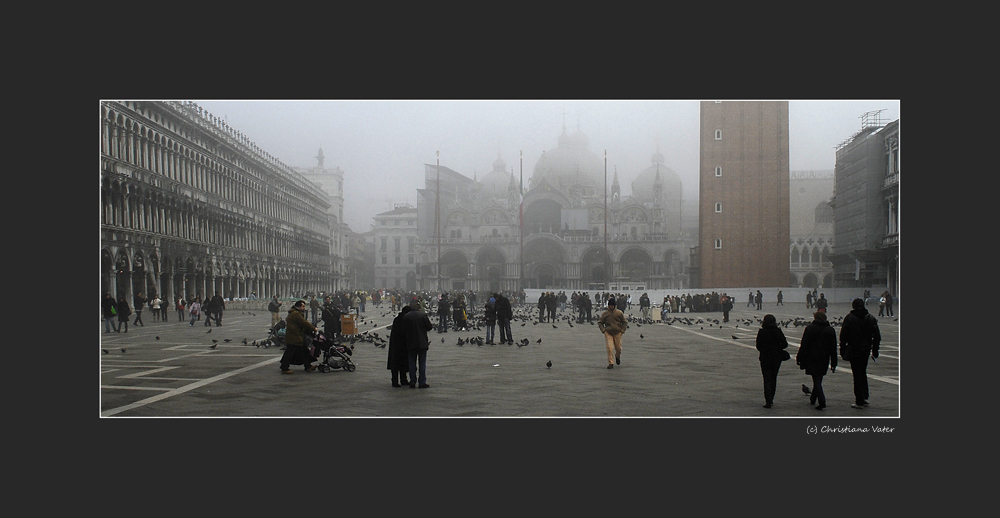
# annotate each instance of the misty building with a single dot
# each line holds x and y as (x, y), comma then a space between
(811, 228)
(567, 227)
(866, 207)
(331, 180)
(743, 195)
(191, 207)
(395, 244)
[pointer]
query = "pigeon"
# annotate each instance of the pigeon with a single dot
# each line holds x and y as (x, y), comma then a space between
(539, 341)
(735, 337)
(214, 341)
(123, 350)
(213, 346)
(641, 337)
(105, 351)
(554, 326)
(209, 330)
(805, 389)
(548, 364)
(244, 341)
(157, 337)
(227, 340)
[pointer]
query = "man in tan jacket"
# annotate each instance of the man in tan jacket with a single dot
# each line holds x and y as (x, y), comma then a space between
(613, 324)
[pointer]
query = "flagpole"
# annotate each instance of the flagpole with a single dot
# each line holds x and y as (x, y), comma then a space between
(437, 217)
(607, 276)
(520, 218)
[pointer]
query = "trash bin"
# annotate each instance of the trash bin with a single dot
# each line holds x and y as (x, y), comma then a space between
(349, 324)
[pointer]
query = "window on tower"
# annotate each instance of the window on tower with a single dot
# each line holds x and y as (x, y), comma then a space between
(718, 243)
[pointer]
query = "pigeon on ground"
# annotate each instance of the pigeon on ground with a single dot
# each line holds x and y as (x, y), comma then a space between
(735, 337)
(213, 346)
(805, 389)
(641, 337)
(244, 341)
(123, 350)
(539, 341)
(227, 340)
(105, 351)
(209, 330)
(214, 341)
(548, 364)
(554, 326)
(157, 337)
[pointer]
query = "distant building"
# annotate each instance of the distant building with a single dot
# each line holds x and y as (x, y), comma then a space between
(395, 241)
(811, 228)
(866, 207)
(478, 235)
(331, 179)
(743, 193)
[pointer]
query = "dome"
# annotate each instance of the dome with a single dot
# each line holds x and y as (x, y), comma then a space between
(496, 182)
(569, 164)
(642, 186)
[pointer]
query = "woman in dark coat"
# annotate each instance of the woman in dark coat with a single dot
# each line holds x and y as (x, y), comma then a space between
(296, 348)
(331, 319)
(771, 343)
(817, 350)
(123, 313)
(399, 361)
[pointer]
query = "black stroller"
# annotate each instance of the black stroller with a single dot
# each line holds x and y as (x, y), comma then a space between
(275, 336)
(335, 356)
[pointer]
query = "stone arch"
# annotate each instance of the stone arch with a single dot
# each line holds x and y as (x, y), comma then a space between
(635, 264)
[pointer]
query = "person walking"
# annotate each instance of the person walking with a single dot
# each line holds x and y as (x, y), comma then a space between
(296, 348)
(613, 324)
(771, 343)
(194, 309)
(859, 339)
(817, 351)
(727, 306)
(809, 299)
(331, 318)
(490, 319)
(780, 299)
(759, 300)
(504, 314)
(588, 306)
(123, 312)
(274, 307)
(155, 307)
(444, 307)
(218, 306)
(644, 306)
(416, 324)
(888, 304)
(750, 299)
(398, 362)
(458, 312)
(821, 303)
(179, 305)
(551, 304)
(314, 307)
(109, 309)
(138, 302)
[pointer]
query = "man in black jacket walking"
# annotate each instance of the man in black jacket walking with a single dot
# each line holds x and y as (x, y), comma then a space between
(859, 338)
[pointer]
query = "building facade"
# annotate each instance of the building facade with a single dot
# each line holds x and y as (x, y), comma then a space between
(743, 194)
(395, 241)
(811, 228)
(331, 180)
(190, 207)
(567, 228)
(866, 207)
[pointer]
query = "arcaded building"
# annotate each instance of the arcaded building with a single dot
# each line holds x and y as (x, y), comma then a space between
(811, 228)
(190, 207)
(482, 234)
(743, 194)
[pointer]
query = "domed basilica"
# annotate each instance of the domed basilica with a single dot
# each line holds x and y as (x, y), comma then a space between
(557, 235)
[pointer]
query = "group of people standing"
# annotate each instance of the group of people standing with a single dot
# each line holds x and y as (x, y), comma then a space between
(116, 313)
(859, 340)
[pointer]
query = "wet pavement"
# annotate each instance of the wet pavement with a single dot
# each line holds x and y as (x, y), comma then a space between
(683, 370)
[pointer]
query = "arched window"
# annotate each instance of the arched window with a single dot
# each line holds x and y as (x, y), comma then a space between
(718, 134)
(718, 207)
(718, 171)
(718, 243)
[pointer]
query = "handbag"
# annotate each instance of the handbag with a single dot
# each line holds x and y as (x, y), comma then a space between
(785, 356)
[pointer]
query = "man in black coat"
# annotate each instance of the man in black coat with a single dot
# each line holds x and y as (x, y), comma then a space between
(859, 338)
(398, 363)
(415, 325)
(443, 309)
(504, 314)
(817, 351)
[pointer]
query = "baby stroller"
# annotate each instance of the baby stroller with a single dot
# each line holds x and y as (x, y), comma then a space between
(335, 356)
(275, 335)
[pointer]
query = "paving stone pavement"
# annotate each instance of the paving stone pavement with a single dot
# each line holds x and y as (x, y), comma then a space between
(683, 370)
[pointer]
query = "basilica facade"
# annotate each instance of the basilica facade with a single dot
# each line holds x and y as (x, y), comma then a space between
(566, 229)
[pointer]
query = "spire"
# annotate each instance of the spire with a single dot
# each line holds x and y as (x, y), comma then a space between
(319, 157)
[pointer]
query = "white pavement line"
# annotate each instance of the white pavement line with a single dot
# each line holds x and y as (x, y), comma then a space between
(123, 387)
(186, 388)
(143, 373)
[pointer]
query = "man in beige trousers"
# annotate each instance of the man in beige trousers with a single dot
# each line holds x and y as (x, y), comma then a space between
(613, 324)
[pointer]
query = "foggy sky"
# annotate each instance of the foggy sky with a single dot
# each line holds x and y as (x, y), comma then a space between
(382, 146)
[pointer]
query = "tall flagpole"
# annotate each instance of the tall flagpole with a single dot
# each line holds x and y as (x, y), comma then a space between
(437, 217)
(607, 276)
(520, 218)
